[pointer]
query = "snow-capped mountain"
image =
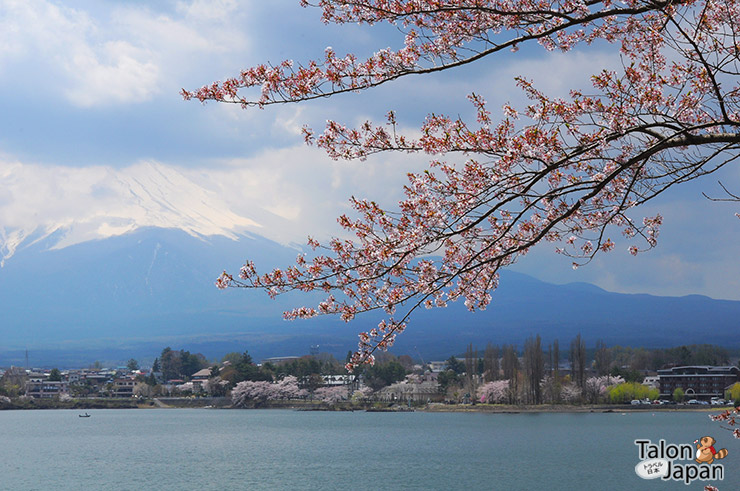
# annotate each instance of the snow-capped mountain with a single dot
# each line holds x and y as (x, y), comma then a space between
(97, 203)
(122, 256)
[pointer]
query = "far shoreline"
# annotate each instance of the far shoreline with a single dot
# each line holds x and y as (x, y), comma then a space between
(566, 408)
(308, 405)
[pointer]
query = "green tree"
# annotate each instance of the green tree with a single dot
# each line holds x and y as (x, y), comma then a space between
(191, 363)
(733, 393)
(180, 364)
(132, 365)
(627, 391)
(455, 365)
(382, 375)
(233, 357)
(155, 365)
(628, 374)
(151, 380)
(170, 361)
(55, 375)
(447, 379)
(243, 369)
(678, 394)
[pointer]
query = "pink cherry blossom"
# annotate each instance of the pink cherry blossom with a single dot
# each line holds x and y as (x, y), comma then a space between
(332, 395)
(494, 392)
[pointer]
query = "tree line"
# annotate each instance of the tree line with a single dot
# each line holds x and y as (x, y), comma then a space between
(537, 374)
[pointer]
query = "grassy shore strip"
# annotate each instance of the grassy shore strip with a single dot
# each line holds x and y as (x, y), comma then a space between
(309, 405)
(73, 404)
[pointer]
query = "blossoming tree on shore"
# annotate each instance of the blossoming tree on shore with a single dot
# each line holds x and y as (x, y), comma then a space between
(249, 392)
(494, 392)
(568, 170)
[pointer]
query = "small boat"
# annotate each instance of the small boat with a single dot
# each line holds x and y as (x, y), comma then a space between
(84, 415)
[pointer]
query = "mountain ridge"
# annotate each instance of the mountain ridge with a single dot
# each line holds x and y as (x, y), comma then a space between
(156, 285)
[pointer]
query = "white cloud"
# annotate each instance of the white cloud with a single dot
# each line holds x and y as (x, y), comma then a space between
(304, 190)
(209, 10)
(70, 51)
(114, 74)
(127, 55)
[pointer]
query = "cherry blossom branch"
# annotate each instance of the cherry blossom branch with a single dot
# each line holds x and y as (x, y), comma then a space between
(568, 171)
(728, 418)
(284, 83)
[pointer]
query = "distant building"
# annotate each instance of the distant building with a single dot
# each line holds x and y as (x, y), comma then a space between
(72, 376)
(123, 387)
(39, 388)
(332, 380)
(414, 391)
(95, 379)
(199, 378)
(651, 381)
(697, 382)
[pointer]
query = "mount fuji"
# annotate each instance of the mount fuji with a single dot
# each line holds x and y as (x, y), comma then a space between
(125, 281)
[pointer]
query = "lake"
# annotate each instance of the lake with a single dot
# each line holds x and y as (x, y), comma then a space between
(180, 449)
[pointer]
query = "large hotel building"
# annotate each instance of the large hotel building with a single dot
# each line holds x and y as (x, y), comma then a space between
(697, 382)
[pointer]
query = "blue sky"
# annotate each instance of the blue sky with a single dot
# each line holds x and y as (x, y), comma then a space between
(91, 110)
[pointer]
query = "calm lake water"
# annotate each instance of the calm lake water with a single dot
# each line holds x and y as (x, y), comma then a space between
(181, 449)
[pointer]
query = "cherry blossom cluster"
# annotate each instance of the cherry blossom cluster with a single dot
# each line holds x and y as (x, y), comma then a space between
(259, 391)
(728, 418)
(362, 394)
(333, 394)
(438, 35)
(571, 393)
(600, 385)
(564, 170)
(494, 392)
